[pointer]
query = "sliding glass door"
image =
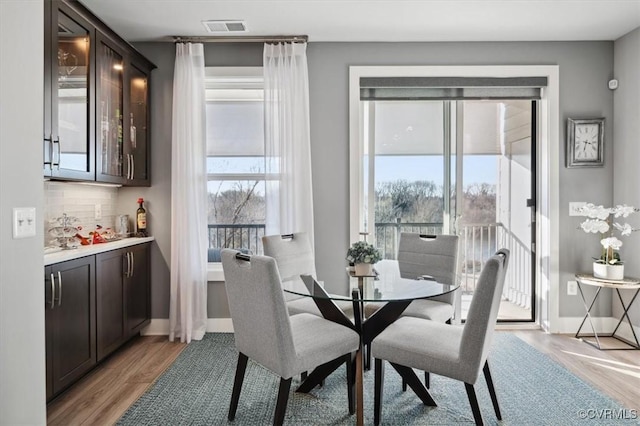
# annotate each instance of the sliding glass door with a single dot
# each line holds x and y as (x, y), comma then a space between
(462, 167)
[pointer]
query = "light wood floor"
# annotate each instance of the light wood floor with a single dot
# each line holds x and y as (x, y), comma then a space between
(102, 396)
(106, 393)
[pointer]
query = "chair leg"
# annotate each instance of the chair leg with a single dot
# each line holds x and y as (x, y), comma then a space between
(378, 386)
(351, 378)
(303, 376)
(492, 389)
(283, 397)
(477, 415)
(237, 385)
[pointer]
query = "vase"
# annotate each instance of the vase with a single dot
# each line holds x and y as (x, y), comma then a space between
(364, 269)
(608, 272)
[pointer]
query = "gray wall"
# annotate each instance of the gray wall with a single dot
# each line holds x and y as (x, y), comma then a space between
(585, 68)
(626, 131)
(22, 352)
(158, 196)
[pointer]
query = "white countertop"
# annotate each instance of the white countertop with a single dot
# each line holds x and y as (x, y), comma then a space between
(57, 255)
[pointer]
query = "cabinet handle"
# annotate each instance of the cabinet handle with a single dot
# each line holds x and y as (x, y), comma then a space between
(128, 166)
(53, 291)
(133, 167)
(132, 263)
(59, 288)
(53, 163)
(125, 271)
(50, 145)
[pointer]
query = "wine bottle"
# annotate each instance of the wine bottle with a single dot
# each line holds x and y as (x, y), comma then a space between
(141, 219)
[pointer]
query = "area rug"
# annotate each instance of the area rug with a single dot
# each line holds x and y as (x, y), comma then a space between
(532, 390)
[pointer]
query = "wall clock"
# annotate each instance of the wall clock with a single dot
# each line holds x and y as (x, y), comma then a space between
(585, 142)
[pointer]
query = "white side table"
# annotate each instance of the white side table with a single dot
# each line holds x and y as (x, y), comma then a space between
(625, 284)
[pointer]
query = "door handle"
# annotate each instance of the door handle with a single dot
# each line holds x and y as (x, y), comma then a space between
(133, 167)
(53, 291)
(59, 288)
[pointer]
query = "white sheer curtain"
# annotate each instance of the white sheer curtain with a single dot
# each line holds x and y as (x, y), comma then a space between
(289, 200)
(188, 304)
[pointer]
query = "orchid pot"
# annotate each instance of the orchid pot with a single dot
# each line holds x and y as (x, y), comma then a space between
(608, 272)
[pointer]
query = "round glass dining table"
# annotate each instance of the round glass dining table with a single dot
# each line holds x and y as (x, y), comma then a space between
(386, 286)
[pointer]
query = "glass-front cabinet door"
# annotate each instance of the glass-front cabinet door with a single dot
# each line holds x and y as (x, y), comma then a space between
(110, 113)
(137, 144)
(68, 132)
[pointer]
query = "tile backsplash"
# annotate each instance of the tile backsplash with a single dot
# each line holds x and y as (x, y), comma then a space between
(79, 200)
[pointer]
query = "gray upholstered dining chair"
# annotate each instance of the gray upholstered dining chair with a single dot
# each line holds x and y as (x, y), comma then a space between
(294, 255)
(458, 352)
(426, 257)
(265, 332)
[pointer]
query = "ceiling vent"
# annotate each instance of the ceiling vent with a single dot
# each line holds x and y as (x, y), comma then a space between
(225, 26)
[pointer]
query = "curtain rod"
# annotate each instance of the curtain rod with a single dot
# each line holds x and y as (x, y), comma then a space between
(241, 39)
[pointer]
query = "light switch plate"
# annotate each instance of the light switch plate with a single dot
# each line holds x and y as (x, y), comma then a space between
(98, 211)
(574, 208)
(572, 288)
(24, 222)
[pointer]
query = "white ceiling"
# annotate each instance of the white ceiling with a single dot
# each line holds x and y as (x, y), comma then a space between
(378, 20)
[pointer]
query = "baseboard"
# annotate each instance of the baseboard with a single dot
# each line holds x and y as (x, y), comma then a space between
(160, 326)
(219, 325)
(157, 327)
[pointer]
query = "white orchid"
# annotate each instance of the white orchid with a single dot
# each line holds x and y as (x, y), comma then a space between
(594, 226)
(611, 242)
(625, 230)
(595, 212)
(623, 210)
(600, 221)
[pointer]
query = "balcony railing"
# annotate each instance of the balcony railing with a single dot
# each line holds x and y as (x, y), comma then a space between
(478, 242)
(237, 236)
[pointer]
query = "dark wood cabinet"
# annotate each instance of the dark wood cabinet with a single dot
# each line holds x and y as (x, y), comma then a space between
(136, 138)
(96, 103)
(70, 322)
(122, 88)
(69, 127)
(123, 296)
(138, 289)
(110, 310)
(92, 306)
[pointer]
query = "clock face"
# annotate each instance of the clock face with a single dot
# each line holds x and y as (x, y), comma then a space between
(586, 142)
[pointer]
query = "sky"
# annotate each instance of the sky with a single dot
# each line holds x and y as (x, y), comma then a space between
(476, 169)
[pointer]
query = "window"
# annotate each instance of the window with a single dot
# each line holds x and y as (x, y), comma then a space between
(236, 178)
